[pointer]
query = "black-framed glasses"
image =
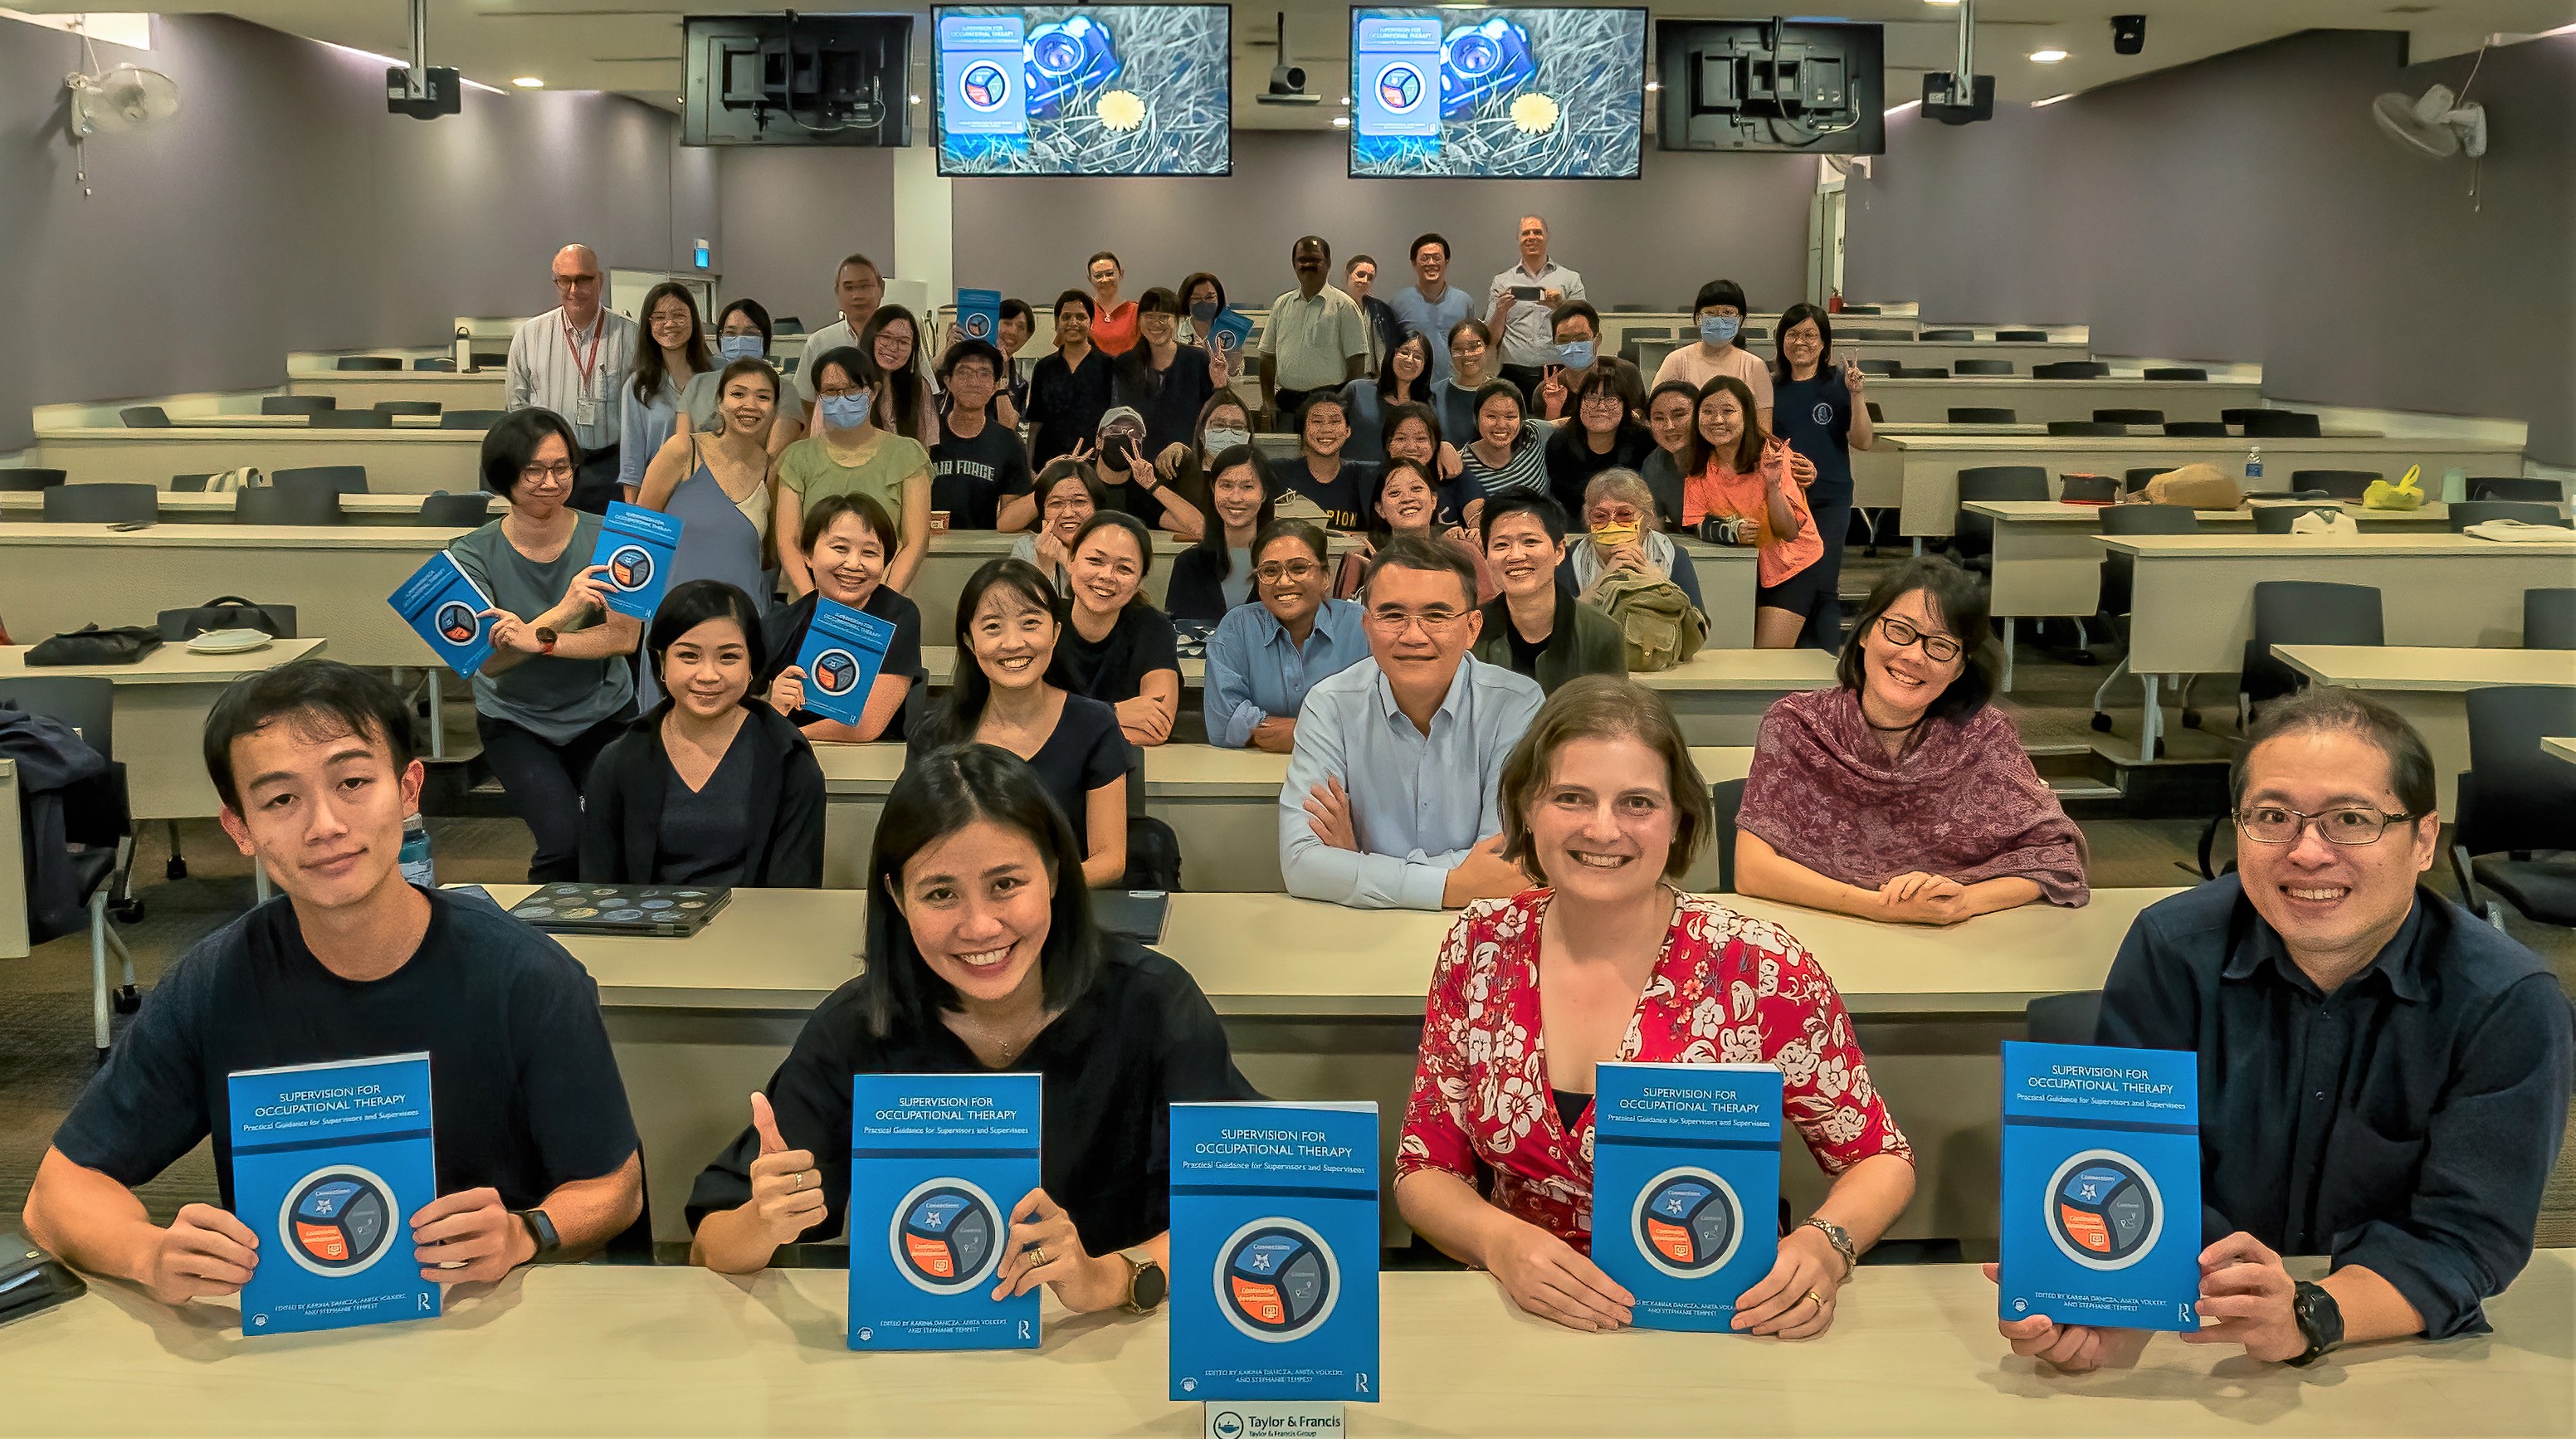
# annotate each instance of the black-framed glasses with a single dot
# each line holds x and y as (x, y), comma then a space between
(1941, 649)
(2350, 825)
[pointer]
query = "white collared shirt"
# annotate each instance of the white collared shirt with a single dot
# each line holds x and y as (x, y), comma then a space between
(547, 363)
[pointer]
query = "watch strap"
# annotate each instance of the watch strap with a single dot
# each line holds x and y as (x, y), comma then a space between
(1840, 1239)
(541, 1230)
(1136, 1269)
(2320, 1320)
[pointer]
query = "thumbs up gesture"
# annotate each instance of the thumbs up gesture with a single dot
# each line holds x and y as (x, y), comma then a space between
(786, 1189)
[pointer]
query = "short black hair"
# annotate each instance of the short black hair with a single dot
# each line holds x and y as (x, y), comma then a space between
(1135, 528)
(1318, 241)
(1303, 532)
(852, 360)
(1722, 292)
(1575, 310)
(2410, 762)
(1428, 237)
(1503, 507)
(512, 442)
(752, 310)
(973, 349)
(938, 794)
(1016, 308)
(1404, 552)
(325, 698)
(1961, 603)
(1492, 389)
(1074, 297)
(817, 521)
(1159, 301)
(693, 603)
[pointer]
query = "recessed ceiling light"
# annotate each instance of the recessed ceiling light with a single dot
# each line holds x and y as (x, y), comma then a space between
(1654, 85)
(2053, 99)
(528, 82)
(916, 99)
(1343, 121)
(2049, 56)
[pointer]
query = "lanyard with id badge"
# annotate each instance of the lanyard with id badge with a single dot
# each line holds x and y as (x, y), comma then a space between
(585, 409)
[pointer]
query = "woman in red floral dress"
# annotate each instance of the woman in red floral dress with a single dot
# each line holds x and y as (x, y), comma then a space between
(1601, 798)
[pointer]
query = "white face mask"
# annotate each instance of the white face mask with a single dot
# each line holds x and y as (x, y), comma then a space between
(1220, 441)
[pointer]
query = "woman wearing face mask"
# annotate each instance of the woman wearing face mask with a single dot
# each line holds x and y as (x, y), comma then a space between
(1126, 470)
(1508, 455)
(1162, 379)
(742, 333)
(1069, 390)
(905, 403)
(1623, 536)
(1602, 436)
(1118, 648)
(1223, 423)
(1007, 632)
(1321, 474)
(1113, 321)
(1263, 658)
(676, 356)
(1672, 412)
(1403, 377)
(711, 786)
(848, 455)
(981, 956)
(1720, 312)
(1215, 575)
(1824, 418)
(1740, 474)
(1202, 300)
(1471, 368)
(717, 486)
(1408, 504)
(847, 537)
(1067, 498)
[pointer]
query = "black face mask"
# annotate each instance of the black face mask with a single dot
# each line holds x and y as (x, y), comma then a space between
(1203, 314)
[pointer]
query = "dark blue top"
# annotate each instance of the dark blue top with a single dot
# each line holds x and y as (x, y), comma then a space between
(2405, 1123)
(1814, 416)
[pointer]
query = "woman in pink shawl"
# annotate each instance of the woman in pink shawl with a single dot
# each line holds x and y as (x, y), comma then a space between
(1901, 794)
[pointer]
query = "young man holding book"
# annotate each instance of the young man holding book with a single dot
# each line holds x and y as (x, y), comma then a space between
(535, 1149)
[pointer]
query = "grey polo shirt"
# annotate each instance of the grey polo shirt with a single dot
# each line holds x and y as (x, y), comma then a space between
(1314, 340)
(1529, 336)
(552, 368)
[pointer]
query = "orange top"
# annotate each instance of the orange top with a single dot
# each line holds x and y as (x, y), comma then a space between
(1721, 492)
(1113, 330)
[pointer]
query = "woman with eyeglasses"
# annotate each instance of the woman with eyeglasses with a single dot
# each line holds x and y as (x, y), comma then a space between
(1161, 378)
(677, 356)
(849, 454)
(1901, 794)
(905, 404)
(743, 332)
(1264, 657)
(1604, 435)
(1067, 498)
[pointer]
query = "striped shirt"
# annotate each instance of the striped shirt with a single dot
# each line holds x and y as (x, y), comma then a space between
(547, 362)
(1524, 474)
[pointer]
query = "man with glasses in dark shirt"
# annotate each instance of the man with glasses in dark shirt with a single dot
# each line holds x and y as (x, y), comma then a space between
(2383, 1078)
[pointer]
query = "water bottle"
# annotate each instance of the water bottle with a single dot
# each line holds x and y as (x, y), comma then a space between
(2253, 467)
(2455, 485)
(464, 360)
(416, 866)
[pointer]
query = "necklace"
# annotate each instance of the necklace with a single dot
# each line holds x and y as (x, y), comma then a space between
(1009, 1049)
(1890, 728)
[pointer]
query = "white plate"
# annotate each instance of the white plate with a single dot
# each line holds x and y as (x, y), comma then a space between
(228, 642)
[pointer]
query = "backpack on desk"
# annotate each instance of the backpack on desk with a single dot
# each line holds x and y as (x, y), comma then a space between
(1661, 626)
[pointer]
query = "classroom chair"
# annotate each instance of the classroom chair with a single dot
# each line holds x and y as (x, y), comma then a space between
(2175, 372)
(464, 511)
(1726, 800)
(297, 404)
(144, 417)
(1981, 415)
(350, 420)
(2282, 425)
(1884, 369)
(2085, 427)
(338, 479)
(1981, 367)
(2096, 489)
(2515, 801)
(407, 407)
(2130, 417)
(1863, 310)
(2300, 612)
(97, 823)
(2473, 512)
(187, 623)
(1975, 536)
(2279, 519)
(787, 325)
(435, 363)
(2062, 1018)
(2341, 484)
(2549, 620)
(2132, 481)
(294, 505)
(1628, 309)
(788, 366)
(2196, 429)
(2242, 415)
(17, 477)
(1874, 416)
(491, 359)
(470, 419)
(2071, 370)
(1958, 337)
(1649, 332)
(1921, 372)
(2023, 337)
(368, 362)
(117, 504)
(2119, 588)
(2516, 488)
(1867, 336)
(1755, 332)
(189, 484)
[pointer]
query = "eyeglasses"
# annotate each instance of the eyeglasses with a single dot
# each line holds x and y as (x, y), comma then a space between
(1075, 502)
(1396, 621)
(1601, 400)
(561, 471)
(566, 282)
(1275, 571)
(1941, 649)
(2280, 824)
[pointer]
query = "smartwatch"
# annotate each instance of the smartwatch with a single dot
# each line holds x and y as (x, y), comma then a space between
(546, 637)
(1147, 1285)
(542, 1231)
(2319, 1318)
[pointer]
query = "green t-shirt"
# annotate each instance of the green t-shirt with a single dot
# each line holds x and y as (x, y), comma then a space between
(810, 470)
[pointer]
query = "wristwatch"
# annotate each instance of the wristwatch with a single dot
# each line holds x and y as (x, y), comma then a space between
(1840, 1239)
(1146, 1285)
(2320, 1321)
(542, 1231)
(546, 638)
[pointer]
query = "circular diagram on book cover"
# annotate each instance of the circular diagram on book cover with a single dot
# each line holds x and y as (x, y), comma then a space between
(1399, 86)
(1687, 1222)
(338, 1220)
(458, 621)
(984, 86)
(2104, 1210)
(631, 566)
(946, 1236)
(1277, 1280)
(836, 671)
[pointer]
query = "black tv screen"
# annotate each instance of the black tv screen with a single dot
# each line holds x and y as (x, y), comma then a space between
(1809, 86)
(797, 80)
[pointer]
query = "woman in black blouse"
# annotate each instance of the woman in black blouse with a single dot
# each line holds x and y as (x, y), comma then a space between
(1118, 648)
(712, 787)
(981, 959)
(1597, 434)
(1338, 486)
(847, 540)
(1215, 574)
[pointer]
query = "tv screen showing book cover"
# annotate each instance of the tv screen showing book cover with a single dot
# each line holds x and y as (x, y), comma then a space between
(1084, 90)
(1501, 93)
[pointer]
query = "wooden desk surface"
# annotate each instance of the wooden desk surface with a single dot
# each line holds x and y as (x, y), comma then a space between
(1178, 769)
(181, 506)
(599, 1349)
(2126, 385)
(2420, 668)
(1716, 669)
(2562, 746)
(423, 538)
(2365, 546)
(172, 664)
(291, 434)
(2151, 445)
(294, 422)
(2434, 514)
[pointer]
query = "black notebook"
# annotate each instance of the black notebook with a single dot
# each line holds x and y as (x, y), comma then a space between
(1136, 913)
(663, 910)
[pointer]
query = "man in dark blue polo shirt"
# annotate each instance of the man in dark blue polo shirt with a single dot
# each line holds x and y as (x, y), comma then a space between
(536, 1151)
(2383, 1077)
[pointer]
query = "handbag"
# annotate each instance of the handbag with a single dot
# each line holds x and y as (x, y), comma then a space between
(231, 612)
(90, 645)
(225, 482)
(2406, 494)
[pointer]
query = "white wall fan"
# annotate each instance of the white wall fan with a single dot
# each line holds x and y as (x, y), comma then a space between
(115, 100)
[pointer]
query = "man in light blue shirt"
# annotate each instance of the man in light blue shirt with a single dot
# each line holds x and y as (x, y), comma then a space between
(1433, 305)
(1390, 801)
(1264, 657)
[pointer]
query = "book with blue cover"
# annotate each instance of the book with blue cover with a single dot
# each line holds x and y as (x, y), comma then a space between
(844, 651)
(446, 608)
(1274, 1252)
(2101, 1188)
(1685, 1186)
(937, 1163)
(979, 315)
(636, 545)
(330, 1162)
(1229, 331)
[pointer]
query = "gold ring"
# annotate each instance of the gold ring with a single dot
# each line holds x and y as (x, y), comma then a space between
(1818, 1299)
(1037, 1256)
